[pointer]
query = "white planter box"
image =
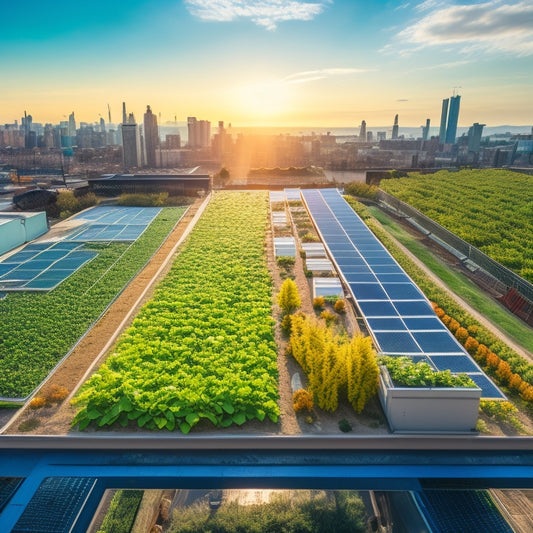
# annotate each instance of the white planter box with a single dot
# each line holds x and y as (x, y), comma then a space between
(427, 409)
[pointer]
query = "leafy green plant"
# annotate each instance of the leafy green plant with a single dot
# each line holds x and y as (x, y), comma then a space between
(202, 349)
(406, 373)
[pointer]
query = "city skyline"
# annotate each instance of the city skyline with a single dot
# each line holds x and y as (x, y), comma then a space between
(323, 63)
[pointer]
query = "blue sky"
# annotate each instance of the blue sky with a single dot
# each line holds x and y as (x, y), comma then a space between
(269, 62)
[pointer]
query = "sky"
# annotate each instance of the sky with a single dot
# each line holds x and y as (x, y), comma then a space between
(323, 63)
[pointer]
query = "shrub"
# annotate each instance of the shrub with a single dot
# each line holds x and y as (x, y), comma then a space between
(492, 360)
(515, 381)
(471, 345)
(461, 334)
(56, 394)
(288, 297)
(345, 426)
(302, 400)
(285, 261)
(504, 371)
(319, 302)
(340, 306)
(362, 190)
(481, 354)
(309, 237)
(286, 324)
(453, 326)
(328, 317)
(37, 402)
(439, 312)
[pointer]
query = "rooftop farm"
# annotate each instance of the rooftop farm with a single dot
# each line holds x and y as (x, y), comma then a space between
(490, 209)
(203, 348)
(38, 329)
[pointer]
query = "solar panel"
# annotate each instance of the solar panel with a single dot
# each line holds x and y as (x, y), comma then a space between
(397, 313)
(112, 223)
(42, 268)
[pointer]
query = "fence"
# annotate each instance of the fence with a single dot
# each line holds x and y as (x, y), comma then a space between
(501, 273)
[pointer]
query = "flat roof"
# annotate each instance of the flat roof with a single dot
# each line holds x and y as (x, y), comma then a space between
(150, 177)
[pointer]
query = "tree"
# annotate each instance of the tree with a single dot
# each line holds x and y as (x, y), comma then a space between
(288, 297)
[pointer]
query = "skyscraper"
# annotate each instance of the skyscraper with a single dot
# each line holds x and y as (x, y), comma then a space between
(453, 117)
(151, 137)
(443, 119)
(425, 130)
(131, 143)
(72, 125)
(395, 128)
(362, 133)
(199, 133)
(448, 120)
(474, 137)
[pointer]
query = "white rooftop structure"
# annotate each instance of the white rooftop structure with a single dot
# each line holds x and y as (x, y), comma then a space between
(319, 265)
(285, 246)
(327, 287)
(279, 218)
(314, 249)
(277, 196)
(293, 194)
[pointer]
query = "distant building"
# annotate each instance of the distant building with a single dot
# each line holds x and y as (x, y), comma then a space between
(71, 125)
(425, 130)
(131, 144)
(443, 119)
(199, 133)
(453, 117)
(381, 136)
(173, 141)
(474, 137)
(151, 137)
(395, 128)
(362, 132)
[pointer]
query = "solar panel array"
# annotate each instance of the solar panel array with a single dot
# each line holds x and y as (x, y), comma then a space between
(112, 223)
(42, 266)
(397, 313)
(55, 506)
(8, 487)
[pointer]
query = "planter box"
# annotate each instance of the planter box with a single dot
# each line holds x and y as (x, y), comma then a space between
(427, 409)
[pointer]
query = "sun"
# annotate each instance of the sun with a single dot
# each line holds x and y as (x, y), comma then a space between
(264, 100)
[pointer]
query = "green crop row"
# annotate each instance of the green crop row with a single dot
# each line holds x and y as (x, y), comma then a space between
(203, 347)
(490, 209)
(38, 329)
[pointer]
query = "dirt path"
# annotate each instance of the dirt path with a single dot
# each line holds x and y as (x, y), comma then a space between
(91, 350)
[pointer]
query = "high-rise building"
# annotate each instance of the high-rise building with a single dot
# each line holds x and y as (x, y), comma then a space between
(425, 130)
(382, 135)
(474, 137)
(362, 132)
(151, 137)
(131, 143)
(448, 119)
(443, 119)
(395, 128)
(72, 125)
(199, 133)
(453, 117)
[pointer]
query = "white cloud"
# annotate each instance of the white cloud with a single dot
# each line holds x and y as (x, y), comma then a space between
(266, 13)
(494, 26)
(312, 75)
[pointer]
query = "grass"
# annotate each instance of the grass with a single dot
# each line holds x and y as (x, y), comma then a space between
(460, 284)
